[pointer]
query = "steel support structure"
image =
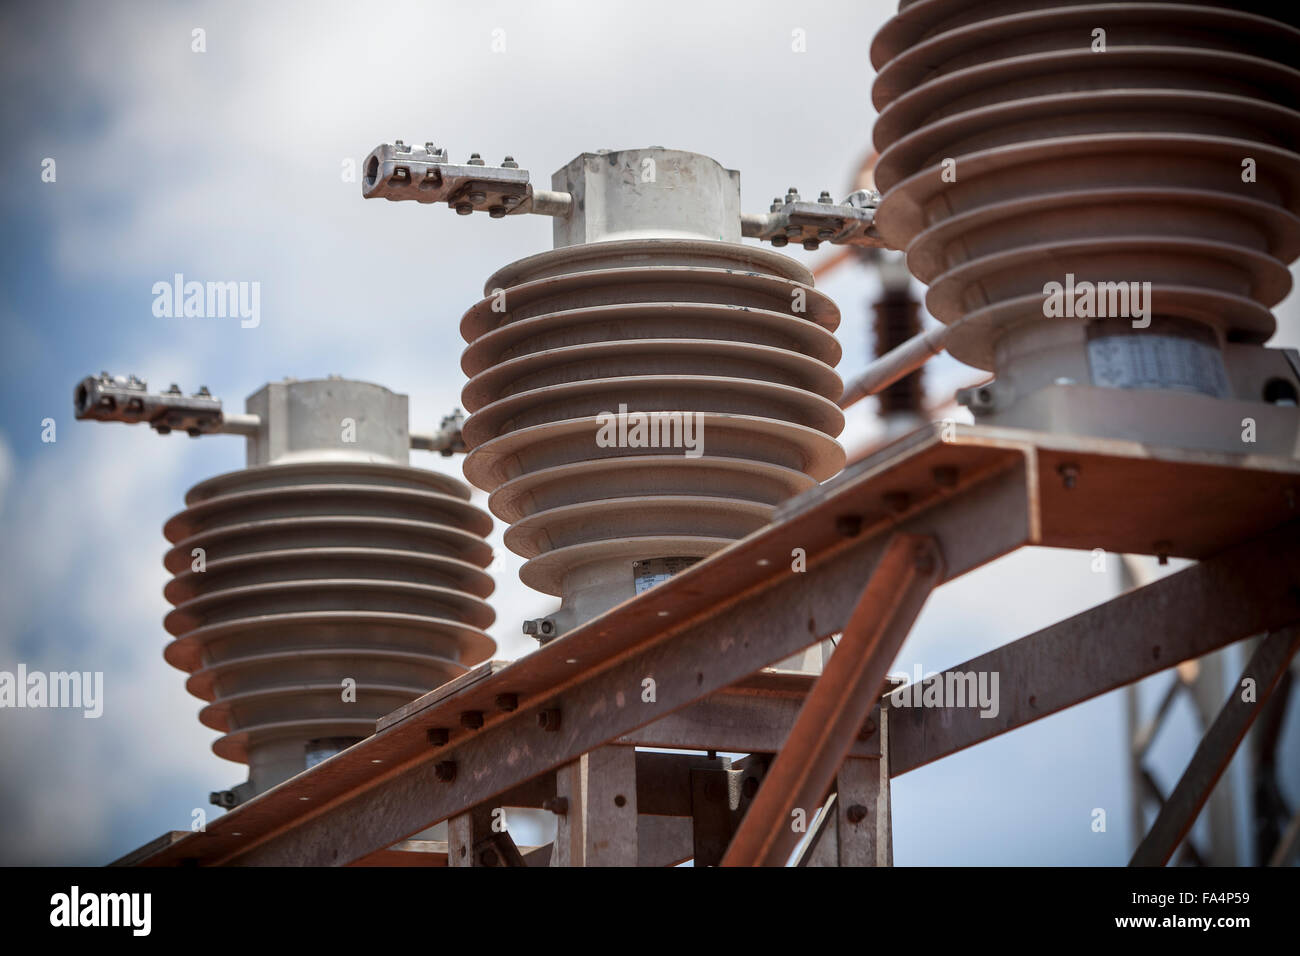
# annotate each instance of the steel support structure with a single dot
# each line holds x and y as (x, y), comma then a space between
(687, 663)
(1245, 701)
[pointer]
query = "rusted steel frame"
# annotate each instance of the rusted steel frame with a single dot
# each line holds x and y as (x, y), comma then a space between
(834, 711)
(1249, 588)
(727, 618)
(1215, 751)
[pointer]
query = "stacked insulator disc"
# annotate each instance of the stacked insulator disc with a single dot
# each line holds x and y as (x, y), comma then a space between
(317, 572)
(1014, 149)
(734, 333)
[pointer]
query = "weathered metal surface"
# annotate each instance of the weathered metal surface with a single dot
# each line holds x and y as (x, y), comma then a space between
(821, 847)
(862, 813)
(735, 721)
(715, 793)
(599, 825)
(663, 841)
(978, 493)
(1245, 700)
(1247, 589)
(834, 711)
(707, 628)
(408, 853)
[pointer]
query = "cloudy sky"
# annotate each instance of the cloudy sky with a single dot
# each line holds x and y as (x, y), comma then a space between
(228, 164)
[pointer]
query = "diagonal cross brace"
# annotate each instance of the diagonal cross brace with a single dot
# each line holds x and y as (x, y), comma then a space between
(1176, 817)
(838, 704)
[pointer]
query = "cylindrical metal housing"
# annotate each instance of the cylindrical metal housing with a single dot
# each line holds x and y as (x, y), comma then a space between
(326, 588)
(1092, 145)
(721, 354)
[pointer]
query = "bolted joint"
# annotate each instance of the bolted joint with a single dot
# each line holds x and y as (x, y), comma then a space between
(542, 628)
(557, 805)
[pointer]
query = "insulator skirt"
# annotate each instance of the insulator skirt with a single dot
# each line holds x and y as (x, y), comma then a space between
(733, 338)
(314, 573)
(1012, 153)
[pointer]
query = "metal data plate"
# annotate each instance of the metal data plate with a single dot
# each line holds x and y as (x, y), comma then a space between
(646, 574)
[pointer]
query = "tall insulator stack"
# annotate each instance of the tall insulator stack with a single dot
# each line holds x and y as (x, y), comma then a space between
(1099, 147)
(325, 585)
(649, 310)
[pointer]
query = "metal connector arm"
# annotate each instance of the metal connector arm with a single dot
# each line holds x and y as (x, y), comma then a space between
(398, 172)
(108, 398)
(846, 223)
(447, 440)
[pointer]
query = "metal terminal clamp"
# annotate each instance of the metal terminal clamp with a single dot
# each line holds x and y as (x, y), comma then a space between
(397, 172)
(792, 219)
(109, 398)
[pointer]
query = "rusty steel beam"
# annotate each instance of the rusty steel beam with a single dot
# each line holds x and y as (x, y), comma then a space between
(981, 492)
(1247, 589)
(834, 711)
(735, 721)
(1215, 751)
(709, 627)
